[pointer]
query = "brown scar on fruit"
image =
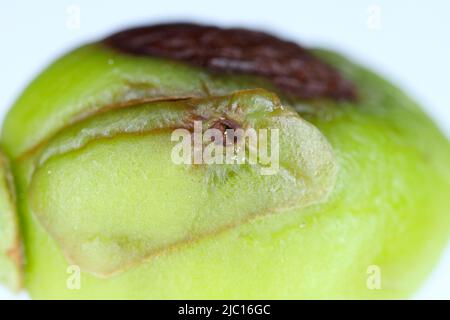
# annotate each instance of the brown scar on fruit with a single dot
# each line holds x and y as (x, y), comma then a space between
(223, 125)
(293, 69)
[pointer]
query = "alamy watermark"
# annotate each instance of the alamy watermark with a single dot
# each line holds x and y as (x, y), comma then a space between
(373, 21)
(373, 277)
(73, 20)
(224, 144)
(73, 281)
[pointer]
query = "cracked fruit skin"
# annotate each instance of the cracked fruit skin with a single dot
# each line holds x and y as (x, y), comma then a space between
(362, 183)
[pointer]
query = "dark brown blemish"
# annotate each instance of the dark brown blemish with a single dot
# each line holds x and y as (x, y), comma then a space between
(290, 67)
(223, 125)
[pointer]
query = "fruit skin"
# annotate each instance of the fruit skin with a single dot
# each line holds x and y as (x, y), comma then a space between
(389, 207)
(10, 250)
(136, 203)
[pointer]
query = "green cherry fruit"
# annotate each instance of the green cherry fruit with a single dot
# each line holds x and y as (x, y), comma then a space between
(357, 208)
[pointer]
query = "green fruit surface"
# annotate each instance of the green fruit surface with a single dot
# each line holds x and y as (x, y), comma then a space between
(91, 201)
(129, 201)
(10, 262)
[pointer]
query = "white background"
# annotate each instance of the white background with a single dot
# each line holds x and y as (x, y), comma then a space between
(406, 40)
